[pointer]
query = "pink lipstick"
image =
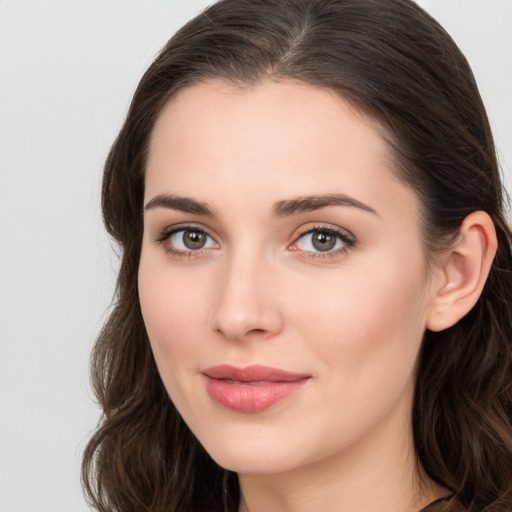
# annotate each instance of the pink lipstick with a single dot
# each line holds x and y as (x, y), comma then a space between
(252, 388)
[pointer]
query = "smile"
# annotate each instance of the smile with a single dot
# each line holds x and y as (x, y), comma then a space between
(253, 388)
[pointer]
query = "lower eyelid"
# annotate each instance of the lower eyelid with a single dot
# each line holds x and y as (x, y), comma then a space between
(324, 256)
(185, 254)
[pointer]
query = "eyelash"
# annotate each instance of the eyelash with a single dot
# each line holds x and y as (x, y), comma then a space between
(347, 239)
(178, 253)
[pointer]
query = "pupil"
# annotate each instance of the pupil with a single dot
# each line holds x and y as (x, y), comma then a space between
(194, 239)
(323, 241)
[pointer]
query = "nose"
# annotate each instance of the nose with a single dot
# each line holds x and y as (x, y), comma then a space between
(248, 302)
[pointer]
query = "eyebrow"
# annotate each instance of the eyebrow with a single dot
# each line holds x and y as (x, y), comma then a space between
(180, 203)
(305, 204)
(280, 209)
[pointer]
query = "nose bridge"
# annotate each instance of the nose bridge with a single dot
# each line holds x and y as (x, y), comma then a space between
(246, 304)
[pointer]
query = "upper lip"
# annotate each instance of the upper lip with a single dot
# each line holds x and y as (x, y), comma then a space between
(253, 373)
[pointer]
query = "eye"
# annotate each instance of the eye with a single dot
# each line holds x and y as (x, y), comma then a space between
(323, 240)
(180, 241)
(190, 240)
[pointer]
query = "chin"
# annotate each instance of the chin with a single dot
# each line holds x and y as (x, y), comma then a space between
(255, 456)
(262, 463)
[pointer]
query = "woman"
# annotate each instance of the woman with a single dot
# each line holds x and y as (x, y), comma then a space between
(314, 300)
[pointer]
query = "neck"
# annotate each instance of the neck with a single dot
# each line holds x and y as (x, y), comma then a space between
(375, 476)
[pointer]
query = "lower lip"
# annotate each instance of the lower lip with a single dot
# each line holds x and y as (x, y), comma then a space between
(256, 397)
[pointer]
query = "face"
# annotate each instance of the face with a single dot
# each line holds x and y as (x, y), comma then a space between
(282, 279)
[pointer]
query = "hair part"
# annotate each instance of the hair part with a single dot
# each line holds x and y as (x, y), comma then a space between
(397, 66)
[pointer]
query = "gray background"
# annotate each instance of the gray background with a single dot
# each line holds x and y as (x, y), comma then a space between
(67, 71)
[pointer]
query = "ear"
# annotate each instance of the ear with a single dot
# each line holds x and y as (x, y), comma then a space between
(462, 272)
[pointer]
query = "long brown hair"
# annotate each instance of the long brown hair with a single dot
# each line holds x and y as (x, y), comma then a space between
(395, 64)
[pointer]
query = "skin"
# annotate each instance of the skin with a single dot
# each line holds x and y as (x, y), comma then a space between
(259, 292)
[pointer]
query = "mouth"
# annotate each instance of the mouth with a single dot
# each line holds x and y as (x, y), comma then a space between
(253, 388)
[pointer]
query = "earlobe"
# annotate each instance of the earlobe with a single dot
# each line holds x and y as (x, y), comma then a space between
(463, 272)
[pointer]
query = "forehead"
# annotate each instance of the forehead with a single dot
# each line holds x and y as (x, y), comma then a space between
(270, 141)
(263, 106)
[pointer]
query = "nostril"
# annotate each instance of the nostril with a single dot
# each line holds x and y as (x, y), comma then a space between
(256, 332)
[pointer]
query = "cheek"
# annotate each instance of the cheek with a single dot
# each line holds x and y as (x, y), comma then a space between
(365, 334)
(173, 308)
(368, 322)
